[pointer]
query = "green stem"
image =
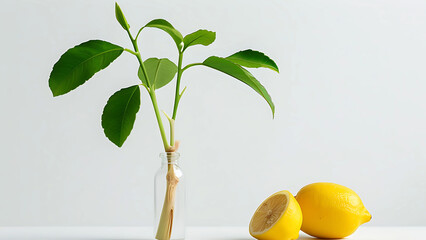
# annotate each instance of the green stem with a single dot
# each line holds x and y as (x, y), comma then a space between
(191, 65)
(137, 35)
(158, 116)
(130, 51)
(172, 129)
(177, 92)
(178, 95)
(151, 92)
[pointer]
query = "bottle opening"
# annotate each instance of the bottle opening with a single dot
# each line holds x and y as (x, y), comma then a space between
(170, 157)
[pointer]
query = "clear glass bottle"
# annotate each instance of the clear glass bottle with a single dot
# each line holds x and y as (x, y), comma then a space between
(170, 160)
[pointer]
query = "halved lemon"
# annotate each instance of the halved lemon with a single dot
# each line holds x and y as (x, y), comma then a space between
(278, 217)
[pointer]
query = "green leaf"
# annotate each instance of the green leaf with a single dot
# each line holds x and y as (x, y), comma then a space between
(202, 37)
(80, 63)
(168, 28)
(238, 72)
(119, 114)
(120, 17)
(253, 59)
(160, 72)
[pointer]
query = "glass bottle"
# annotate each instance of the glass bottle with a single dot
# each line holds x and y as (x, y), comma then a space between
(170, 160)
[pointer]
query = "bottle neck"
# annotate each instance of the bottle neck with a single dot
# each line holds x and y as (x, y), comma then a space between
(169, 158)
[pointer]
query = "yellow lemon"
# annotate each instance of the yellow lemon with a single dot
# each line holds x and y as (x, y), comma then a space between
(331, 210)
(279, 217)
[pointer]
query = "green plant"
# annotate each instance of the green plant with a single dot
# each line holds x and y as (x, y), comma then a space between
(80, 63)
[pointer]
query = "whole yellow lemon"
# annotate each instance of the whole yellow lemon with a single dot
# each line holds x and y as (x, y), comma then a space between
(331, 210)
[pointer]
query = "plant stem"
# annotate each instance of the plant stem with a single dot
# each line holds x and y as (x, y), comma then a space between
(151, 92)
(177, 92)
(164, 229)
(158, 116)
(137, 35)
(172, 132)
(165, 225)
(172, 129)
(130, 51)
(191, 65)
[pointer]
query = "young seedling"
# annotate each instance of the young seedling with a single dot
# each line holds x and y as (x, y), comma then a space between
(80, 63)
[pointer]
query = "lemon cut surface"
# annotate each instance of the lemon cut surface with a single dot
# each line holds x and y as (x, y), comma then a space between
(279, 217)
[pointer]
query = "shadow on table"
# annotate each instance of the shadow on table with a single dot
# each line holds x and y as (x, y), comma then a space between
(300, 238)
(79, 238)
(314, 238)
(97, 238)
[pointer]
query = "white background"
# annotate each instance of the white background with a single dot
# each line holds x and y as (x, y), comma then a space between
(350, 108)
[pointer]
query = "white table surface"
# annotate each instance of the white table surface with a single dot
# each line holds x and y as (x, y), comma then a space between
(193, 233)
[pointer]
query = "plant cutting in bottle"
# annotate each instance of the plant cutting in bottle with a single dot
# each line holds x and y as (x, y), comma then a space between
(80, 63)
